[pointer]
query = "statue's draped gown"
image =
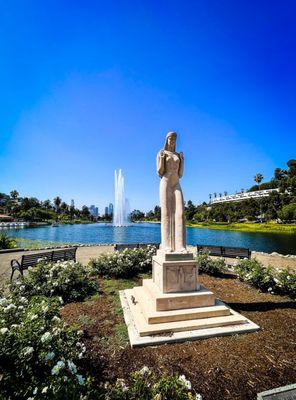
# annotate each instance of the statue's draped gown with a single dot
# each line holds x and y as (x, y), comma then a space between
(170, 169)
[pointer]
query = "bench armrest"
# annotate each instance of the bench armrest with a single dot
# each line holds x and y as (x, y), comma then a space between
(15, 265)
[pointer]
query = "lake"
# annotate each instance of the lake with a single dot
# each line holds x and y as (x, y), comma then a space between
(150, 233)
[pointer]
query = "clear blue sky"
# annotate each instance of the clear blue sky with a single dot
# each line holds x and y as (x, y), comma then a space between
(91, 86)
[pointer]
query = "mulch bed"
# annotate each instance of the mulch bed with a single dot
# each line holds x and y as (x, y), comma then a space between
(230, 367)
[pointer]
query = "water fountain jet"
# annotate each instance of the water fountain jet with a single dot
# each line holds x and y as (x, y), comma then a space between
(120, 216)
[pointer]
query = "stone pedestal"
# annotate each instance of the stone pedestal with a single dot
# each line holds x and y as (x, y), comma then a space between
(173, 306)
(175, 272)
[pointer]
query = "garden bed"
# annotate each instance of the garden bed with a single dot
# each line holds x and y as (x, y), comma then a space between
(233, 367)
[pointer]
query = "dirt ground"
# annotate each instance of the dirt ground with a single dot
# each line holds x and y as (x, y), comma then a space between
(231, 367)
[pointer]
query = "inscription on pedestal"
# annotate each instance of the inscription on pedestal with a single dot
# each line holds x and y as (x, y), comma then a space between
(180, 278)
(175, 276)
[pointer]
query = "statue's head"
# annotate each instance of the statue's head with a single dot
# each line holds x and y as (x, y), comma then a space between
(170, 141)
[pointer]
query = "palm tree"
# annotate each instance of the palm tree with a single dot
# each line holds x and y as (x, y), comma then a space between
(225, 193)
(210, 196)
(46, 204)
(14, 194)
(242, 190)
(258, 179)
(64, 207)
(215, 194)
(220, 195)
(57, 202)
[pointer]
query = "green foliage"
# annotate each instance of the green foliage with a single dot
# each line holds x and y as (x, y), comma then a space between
(145, 385)
(273, 280)
(125, 264)
(6, 242)
(39, 354)
(209, 265)
(69, 280)
(288, 212)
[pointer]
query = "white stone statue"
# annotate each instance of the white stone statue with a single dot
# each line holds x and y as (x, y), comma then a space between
(170, 169)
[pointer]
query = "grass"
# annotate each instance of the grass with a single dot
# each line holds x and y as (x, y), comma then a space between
(266, 227)
(36, 244)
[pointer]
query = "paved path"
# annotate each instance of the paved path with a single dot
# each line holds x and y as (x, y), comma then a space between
(84, 254)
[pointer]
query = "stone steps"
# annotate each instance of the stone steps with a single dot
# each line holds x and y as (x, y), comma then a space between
(178, 301)
(146, 329)
(147, 304)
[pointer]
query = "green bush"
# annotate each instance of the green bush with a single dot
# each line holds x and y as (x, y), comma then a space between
(288, 212)
(6, 242)
(144, 385)
(273, 280)
(39, 354)
(70, 280)
(209, 265)
(125, 264)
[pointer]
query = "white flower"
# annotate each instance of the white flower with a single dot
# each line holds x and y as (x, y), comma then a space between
(35, 390)
(56, 319)
(34, 316)
(72, 367)
(3, 301)
(269, 289)
(3, 330)
(185, 382)
(288, 277)
(49, 356)
(56, 369)
(27, 350)
(198, 396)
(80, 379)
(121, 383)
(44, 390)
(10, 307)
(20, 308)
(46, 337)
(144, 370)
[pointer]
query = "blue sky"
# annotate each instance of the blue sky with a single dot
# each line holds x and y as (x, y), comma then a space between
(91, 86)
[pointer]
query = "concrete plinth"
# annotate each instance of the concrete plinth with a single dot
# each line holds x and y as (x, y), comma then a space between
(172, 306)
(175, 272)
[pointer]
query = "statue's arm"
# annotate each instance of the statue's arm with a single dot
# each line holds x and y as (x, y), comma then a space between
(160, 163)
(181, 166)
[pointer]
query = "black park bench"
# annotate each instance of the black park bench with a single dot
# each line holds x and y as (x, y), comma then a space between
(131, 246)
(31, 260)
(221, 251)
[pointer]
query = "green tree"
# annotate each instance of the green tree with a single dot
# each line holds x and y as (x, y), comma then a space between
(288, 212)
(258, 179)
(57, 202)
(14, 194)
(85, 212)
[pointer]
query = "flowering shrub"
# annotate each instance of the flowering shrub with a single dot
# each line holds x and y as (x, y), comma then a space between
(38, 352)
(69, 280)
(125, 264)
(209, 265)
(267, 278)
(145, 386)
(6, 242)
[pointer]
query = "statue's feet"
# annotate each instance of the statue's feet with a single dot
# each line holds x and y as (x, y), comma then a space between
(183, 250)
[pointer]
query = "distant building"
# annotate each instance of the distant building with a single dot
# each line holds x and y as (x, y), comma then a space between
(243, 196)
(94, 211)
(110, 209)
(106, 210)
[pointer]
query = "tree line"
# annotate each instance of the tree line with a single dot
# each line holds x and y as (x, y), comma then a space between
(278, 205)
(33, 210)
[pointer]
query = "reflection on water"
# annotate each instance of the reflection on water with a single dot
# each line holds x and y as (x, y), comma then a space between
(150, 233)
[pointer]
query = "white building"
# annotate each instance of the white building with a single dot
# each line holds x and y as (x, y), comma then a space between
(243, 196)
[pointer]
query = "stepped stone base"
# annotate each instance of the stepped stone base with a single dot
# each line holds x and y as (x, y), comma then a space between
(174, 307)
